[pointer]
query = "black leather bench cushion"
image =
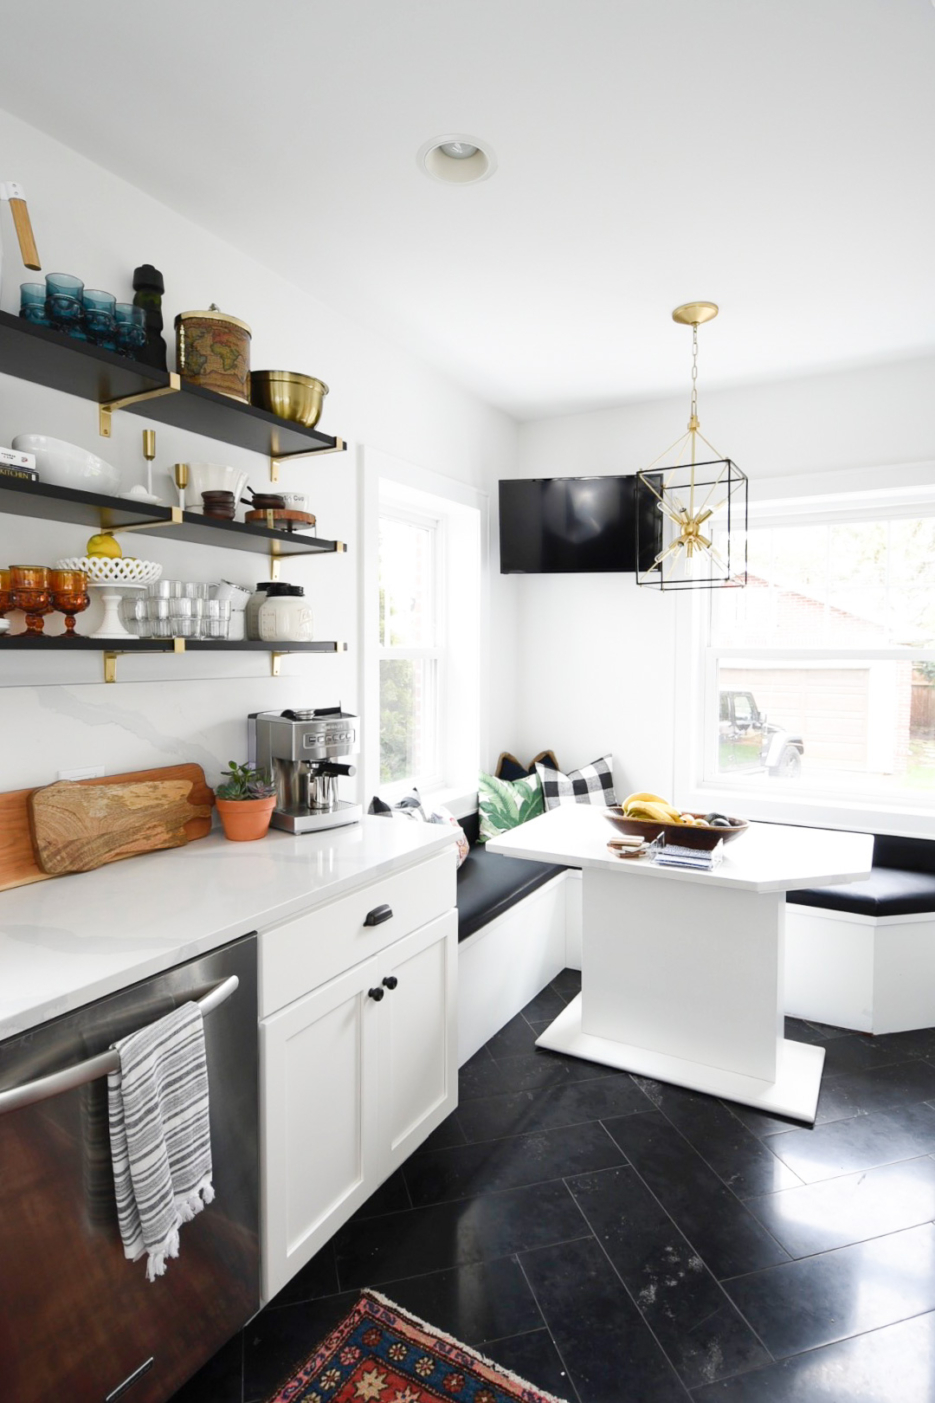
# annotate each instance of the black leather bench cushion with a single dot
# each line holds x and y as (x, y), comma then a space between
(888, 891)
(489, 884)
(909, 854)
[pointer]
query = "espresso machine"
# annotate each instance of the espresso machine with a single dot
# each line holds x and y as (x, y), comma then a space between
(304, 751)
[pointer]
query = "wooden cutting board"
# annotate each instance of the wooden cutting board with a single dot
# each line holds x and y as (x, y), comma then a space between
(161, 818)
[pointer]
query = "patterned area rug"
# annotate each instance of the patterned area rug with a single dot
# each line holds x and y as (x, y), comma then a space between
(380, 1354)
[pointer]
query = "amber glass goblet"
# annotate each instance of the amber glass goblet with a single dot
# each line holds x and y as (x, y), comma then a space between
(6, 594)
(30, 586)
(70, 596)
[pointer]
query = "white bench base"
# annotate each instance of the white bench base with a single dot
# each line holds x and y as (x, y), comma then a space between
(873, 974)
(505, 963)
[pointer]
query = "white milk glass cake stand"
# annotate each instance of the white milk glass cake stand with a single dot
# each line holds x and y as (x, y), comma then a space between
(112, 626)
(113, 577)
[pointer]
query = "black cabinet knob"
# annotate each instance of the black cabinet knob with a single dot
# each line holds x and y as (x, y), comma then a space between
(378, 915)
(391, 981)
(376, 994)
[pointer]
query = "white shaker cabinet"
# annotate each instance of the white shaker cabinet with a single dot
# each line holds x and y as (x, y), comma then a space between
(357, 1070)
(418, 1037)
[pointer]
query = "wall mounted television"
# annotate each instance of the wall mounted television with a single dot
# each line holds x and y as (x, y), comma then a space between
(569, 525)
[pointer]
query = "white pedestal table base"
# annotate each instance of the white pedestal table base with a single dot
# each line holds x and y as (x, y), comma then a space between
(794, 1093)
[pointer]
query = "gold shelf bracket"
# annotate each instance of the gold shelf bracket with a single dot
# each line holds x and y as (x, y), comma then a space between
(110, 656)
(274, 660)
(276, 458)
(174, 520)
(106, 410)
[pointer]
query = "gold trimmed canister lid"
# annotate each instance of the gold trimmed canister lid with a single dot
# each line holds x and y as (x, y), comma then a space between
(214, 314)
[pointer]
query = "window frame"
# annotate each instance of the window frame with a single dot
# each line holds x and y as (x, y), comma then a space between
(696, 676)
(390, 507)
(466, 719)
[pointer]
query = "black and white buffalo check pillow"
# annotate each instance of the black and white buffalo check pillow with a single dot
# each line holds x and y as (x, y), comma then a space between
(592, 784)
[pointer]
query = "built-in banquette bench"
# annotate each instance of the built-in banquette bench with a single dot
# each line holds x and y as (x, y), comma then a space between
(862, 955)
(518, 925)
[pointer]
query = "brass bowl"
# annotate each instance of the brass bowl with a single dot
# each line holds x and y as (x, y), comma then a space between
(289, 395)
(685, 835)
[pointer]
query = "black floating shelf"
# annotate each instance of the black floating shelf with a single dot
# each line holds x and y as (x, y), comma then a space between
(79, 643)
(50, 358)
(94, 511)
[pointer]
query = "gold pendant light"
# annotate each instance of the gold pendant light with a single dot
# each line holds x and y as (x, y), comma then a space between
(692, 514)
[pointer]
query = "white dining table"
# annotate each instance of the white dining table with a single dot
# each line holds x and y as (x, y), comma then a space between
(682, 970)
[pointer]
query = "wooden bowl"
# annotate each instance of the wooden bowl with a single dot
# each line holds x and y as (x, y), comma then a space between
(281, 519)
(684, 835)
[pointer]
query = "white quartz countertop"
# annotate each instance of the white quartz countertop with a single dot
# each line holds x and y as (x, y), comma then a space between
(769, 857)
(73, 939)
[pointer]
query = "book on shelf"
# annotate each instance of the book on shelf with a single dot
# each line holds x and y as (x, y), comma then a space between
(673, 855)
(21, 474)
(13, 458)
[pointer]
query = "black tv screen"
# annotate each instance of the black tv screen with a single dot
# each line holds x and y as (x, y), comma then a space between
(573, 525)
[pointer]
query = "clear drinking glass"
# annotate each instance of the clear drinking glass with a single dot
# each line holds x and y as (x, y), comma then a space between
(217, 618)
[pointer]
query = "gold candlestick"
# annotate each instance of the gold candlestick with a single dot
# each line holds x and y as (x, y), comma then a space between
(180, 473)
(149, 453)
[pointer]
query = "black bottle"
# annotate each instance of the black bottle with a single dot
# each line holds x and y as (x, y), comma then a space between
(148, 287)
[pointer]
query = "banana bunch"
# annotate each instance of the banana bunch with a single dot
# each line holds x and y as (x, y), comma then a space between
(651, 807)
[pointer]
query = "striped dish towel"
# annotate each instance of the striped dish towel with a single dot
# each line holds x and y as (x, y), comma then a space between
(160, 1139)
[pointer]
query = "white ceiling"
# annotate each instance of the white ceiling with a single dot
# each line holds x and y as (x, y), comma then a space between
(775, 157)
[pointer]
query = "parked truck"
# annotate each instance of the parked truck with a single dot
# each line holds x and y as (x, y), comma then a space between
(750, 744)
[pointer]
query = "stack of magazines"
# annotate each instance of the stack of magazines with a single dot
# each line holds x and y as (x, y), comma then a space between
(671, 855)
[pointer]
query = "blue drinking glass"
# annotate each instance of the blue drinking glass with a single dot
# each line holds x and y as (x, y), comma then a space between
(63, 304)
(99, 318)
(32, 303)
(131, 328)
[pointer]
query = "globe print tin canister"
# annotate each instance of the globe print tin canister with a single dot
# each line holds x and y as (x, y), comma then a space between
(213, 351)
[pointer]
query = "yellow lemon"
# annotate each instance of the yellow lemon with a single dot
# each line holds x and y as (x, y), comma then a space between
(104, 545)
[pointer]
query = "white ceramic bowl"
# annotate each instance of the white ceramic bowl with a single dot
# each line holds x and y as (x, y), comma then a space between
(64, 464)
(213, 477)
(294, 501)
(106, 570)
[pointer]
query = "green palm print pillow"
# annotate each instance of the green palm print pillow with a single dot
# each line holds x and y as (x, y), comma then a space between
(504, 804)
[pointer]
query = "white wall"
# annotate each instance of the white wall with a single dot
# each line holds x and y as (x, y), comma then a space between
(595, 655)
(92, 224)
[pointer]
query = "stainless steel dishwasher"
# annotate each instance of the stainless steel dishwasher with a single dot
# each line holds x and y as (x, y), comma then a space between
(77, 1320)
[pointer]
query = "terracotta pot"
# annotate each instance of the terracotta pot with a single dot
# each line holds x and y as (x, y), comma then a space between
(245, 820)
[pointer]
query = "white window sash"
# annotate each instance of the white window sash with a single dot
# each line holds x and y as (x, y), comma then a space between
(910, 811)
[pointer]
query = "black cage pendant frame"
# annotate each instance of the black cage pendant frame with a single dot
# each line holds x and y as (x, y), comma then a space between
(677, 509)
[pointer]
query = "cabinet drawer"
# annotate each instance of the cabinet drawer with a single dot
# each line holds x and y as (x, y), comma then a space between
(302, 953)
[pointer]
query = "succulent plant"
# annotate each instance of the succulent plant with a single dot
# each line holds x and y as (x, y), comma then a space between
(244, 782)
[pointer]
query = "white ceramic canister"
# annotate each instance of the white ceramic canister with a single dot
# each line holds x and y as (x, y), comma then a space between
(252, 610)
(286, 617)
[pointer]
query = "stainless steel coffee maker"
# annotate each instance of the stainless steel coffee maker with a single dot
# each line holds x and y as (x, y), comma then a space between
(305, 752)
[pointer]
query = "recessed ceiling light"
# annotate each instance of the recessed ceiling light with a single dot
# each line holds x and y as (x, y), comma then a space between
(457, 159)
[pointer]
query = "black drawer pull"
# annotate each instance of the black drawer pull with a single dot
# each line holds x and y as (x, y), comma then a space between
(391, 981)
(378, 915)
(376, 994)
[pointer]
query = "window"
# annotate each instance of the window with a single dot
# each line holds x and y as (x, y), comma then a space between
(819, 676)
(410, 652)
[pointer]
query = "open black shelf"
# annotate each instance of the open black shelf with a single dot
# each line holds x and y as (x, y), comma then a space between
(79, 643)
(50, 358)
(94, 511)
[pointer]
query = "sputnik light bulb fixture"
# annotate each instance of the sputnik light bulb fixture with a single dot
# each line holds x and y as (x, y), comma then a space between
(692, 515)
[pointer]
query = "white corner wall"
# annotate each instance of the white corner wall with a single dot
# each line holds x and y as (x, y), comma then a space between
(89, 222)
(595, 655)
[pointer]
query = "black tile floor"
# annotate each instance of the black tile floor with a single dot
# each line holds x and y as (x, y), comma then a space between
(617, 1240)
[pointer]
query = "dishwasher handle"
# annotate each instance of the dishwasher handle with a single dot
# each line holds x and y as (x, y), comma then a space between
(105, 1062)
